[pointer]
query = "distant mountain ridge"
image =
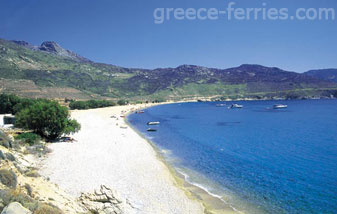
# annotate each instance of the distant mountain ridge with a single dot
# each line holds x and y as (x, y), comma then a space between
(54, 48)
(325, 74)
(54, 72)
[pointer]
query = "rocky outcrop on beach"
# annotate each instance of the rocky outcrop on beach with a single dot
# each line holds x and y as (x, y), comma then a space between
(15, 208)
(22, 189)
(105, 201)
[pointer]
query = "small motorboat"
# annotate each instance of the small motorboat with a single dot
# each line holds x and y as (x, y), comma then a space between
(151, 130)
(280, 106)
(233, 106)
(153, 123)
(140, 112)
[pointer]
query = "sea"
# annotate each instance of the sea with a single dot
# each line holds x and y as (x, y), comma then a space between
(257, 159)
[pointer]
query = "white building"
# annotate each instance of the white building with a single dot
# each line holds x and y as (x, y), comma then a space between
(7, 120)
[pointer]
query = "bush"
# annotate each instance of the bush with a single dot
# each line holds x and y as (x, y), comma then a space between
(47, 118)
(47, 209)
(7, 103)
(9, 196)
(28, 138)
(12, 104)
(29, 190)
(90, 104)
(8, 178)
(5, 141)
(122, 102)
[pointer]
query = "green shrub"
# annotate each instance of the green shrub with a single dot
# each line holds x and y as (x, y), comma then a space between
(122, 102)
(8, 178)
(7, 103)
(28, 138)
(12, 104)
(47, 118)
(90, 104)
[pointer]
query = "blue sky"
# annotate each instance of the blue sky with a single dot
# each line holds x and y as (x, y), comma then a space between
(123, 32)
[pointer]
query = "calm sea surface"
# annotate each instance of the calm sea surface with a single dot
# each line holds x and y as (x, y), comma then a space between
(257, 159)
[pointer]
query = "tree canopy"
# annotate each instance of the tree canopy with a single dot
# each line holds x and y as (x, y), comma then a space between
(47, 118)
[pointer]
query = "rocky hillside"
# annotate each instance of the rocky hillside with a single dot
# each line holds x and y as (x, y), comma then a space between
(51, 71)
(325, 74)
(24, 191)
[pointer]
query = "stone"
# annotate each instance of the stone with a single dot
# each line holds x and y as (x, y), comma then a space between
(104, 200)
(10, 157)
(15, 208)
(2, 156)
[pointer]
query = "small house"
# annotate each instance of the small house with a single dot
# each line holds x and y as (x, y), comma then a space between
(6, 120)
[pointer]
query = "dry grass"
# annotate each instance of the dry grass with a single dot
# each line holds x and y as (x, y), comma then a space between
(8, 178)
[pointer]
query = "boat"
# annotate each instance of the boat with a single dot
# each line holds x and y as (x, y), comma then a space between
(235, 106)
(140, 112)
(151, 130)
(220, 105)
(153, 123)
(280, 106)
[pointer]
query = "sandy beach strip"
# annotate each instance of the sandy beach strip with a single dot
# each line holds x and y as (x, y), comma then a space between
(109, 152)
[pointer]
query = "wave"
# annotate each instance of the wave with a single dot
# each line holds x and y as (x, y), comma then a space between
(205, 188)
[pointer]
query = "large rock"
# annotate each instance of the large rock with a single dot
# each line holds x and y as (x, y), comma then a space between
(15, 208)
(104, 201)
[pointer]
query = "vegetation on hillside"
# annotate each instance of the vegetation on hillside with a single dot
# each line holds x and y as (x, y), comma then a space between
(90, 104)
(52, 70)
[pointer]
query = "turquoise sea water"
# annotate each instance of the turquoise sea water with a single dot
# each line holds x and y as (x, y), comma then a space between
(257, 159)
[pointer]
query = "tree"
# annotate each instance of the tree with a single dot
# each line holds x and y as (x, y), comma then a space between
(7, 103)
(122, 102)
(48, 119)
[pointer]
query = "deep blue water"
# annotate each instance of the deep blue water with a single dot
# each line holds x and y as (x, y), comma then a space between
(258, 159)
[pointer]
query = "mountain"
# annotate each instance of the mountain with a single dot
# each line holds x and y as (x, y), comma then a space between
(54, 72)
(325, 74)
(53, 48)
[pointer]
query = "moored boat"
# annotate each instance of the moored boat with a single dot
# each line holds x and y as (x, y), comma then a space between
(151, 130)
(153, 123)
(235, 106)
(280, 106)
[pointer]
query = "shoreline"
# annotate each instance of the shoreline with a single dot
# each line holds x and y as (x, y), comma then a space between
(213, 204)
(109, 154)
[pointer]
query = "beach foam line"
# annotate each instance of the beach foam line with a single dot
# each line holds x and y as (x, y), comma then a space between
(206, 189)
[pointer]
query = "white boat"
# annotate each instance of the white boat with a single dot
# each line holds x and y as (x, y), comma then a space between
(236, 106)
(280, 106)
(153, 123)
